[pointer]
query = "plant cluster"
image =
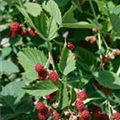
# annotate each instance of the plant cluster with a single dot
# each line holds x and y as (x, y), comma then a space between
(60, 60)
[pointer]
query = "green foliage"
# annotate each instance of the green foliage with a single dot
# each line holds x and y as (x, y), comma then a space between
(8, 67)
(41, 89)
(108, 79)
(67, 62)
(63, 97)
(28, 57)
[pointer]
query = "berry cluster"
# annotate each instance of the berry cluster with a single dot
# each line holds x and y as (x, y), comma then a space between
(97, 114)
(110, 56)
(42, 73)
(17, 29)
(85, 114)
(44, 112)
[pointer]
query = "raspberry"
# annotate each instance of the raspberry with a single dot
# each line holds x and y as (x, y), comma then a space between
(15, 29)
(43, 115)
(95, 30)
(79, 105)
(91, 40)
(82, 95)
(116, 116)
(104, 117)
(97, 115)
(108, 91)
(39, 67)
(32, 32)
(40, 106)
(70, 46)
(50, 96)
(96, 109)
(42, 74)
(85, 114)
(53, 76)
(56, 116)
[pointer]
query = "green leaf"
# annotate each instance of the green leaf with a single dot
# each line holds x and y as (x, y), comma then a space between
(69, 16)
(42, 88)
(6, 51)
(52, 29)
(63, 97)
(86, 60)
(14, 89)
(73, 96)
(8, 67)
(115, 20)
(52, 8)
(67, 62)
(108, 79)
(33, 9)
(70, 22)
(28, 57)
(81, 24)
(62, 3)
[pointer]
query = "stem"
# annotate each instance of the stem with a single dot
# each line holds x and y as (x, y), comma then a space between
(50, 55)
(94, 14)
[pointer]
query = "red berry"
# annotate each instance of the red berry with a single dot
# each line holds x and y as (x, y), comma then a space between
(116, 116)
(39, 67)
(42, 74)
(70, 46)
(56, 116)
(43, 115)
(50, 96)
(53, 76)
(79, 105)
(85, 114)
(104, 117)
(82, 95)
(15, 29)
(96, 109)
(32, 32)
(91, 40)
(108, 91)
(40, 106)
(97, 115)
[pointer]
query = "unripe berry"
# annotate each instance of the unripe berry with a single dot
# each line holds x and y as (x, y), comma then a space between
(79, 105)
(95, 30)
(53, 76)
(70, 46)
(82, 95)
(15, 29)
(85, 114)
(40, 106)
(56, 116)
(39, 67)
